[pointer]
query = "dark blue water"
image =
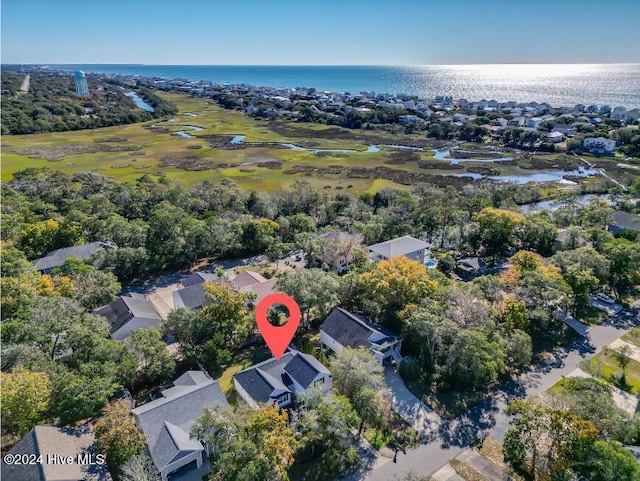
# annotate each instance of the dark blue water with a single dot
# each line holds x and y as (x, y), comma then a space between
(560, 85)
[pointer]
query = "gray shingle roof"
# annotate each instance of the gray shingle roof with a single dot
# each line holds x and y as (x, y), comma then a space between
(198, 278)
(56, 258)
(626, 220)
(304, 369)
(247, 278)
(46, 440)
(352, 331)
(192, 297)
(398, 247)
(270, 378)
(125, 308)
(470, 264)
(167, 421)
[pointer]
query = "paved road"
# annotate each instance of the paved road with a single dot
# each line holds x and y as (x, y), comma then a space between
(451, 438)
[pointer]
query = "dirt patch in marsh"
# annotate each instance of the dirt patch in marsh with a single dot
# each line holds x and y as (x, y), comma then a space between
(434, 164)
(479, 169)
(563, 162)
(157, 129)
(402, 157)
(189, 163)
(398, 176)
(465, 154)
(110, 139)
(59, 152)
(284, 129)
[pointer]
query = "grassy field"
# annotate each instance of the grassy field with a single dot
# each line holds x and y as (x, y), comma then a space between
(590, 315)
(633, 336)
(606, 367)
(241, 360)
(126, 152)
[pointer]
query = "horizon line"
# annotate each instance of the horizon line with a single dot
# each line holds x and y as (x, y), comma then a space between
(318, 65)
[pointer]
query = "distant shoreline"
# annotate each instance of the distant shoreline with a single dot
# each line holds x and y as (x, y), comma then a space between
(557, 84)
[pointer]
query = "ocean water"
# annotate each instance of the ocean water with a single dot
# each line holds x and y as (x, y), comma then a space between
(560, 85)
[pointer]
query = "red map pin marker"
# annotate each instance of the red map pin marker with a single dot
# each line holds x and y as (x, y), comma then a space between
(277, 337)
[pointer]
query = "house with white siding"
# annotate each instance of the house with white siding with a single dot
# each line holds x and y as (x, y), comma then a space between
(344, 329)
(406, 246)
(281, 381)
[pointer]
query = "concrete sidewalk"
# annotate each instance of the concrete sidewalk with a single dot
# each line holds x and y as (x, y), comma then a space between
(482, 465)
(420, 416)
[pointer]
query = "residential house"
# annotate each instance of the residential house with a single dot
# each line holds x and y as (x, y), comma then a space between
(471, 266)
(192, 295)
(599, 145)
(338, 253)
(624, 221)
(128, 313)
(555, 137)
(167, 421)
(54, 259)
(53, 444)
(344, 329)
(518, 121)
(534, 122)
(565, 129)
(632, 116)
(402, 246)
(618, 114)
(412, 119)
(281, 381)
(254, 283)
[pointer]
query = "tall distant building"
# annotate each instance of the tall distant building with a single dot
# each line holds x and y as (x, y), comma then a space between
(81, 83)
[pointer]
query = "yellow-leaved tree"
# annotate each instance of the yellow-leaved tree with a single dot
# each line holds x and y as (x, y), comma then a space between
(396, 285)
(25, 399)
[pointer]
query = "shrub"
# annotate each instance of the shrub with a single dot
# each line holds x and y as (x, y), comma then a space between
(410, 369)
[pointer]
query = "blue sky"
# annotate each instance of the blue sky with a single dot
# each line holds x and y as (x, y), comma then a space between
(323, 32)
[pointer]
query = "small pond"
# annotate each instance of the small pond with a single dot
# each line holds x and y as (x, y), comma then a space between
(542, 176)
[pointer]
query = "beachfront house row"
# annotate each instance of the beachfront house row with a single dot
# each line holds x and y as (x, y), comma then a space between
(128, 313)
(344, 329)
(402, 246)
(167, 421)
(599, 145)
(54, 259)
(281, 381)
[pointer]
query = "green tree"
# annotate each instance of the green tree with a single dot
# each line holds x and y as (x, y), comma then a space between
(155, 363)
(354, 369)
(608, 461)
(581, 281)
(209, 334)
(544, 442)
(539, 235)
(475, 360)
(118, 436)
(498, 228)
(327, 421)
(247, 444)
(314, 290)
(622, 357)
(624, 256)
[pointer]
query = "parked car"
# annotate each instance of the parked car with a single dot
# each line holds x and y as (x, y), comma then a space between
(605, 298)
